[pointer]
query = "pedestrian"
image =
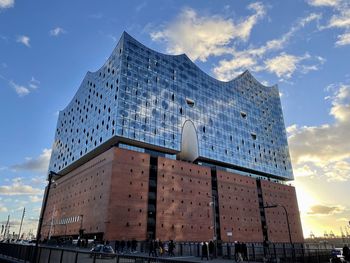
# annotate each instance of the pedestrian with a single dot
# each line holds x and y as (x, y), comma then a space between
(346, 253)
(204, 250)
(161, 248)
(171, 248)
(211, 249)
(150, 247)
(245, 251)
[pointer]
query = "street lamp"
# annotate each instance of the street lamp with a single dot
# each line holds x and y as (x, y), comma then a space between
(287, 218)
(51, 177)
(213, 203)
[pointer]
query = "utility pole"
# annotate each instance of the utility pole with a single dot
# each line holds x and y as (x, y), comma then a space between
(7, 227)
(20, 227)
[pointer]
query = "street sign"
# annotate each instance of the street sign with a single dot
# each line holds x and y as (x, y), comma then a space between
(229, 234)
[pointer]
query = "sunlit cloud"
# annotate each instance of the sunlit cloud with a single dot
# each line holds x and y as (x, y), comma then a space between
(260, 59)
(324, 149)
(202, 36)
(325, 210)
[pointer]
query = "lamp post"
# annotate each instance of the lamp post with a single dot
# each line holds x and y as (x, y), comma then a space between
(287, 218)
(52, 175)
(213, 203)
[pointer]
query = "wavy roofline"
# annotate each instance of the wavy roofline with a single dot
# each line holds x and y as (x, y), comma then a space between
(196, 66)
(122, 38)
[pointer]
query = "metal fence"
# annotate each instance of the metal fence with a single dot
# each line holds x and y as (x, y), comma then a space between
(275, 253)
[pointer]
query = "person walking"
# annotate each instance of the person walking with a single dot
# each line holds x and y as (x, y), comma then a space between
(211, 249)
(204, 250)
(171, 248)
(161, 248)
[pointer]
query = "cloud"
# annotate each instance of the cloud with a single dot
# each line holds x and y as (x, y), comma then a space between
(39, 164)
(6, 3)
(323, 2)
(34, 83)
(324, 149)
(57, 31)
(35, 199)
(202, 36)
(24, 40)
(255, 58)
(325, 210)
(340, 18)
(22, 90)
(343, 39)
(3, 208)
(18, 188)
(284, 64)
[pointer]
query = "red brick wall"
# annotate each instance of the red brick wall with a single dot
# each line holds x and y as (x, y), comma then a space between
(81, 192)
(128, 203)
(239, 208)
(183, 197)
(274, 193)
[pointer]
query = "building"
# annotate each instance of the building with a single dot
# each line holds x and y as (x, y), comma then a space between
(152, 147)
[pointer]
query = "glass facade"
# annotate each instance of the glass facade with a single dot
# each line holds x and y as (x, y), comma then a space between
(144, 97)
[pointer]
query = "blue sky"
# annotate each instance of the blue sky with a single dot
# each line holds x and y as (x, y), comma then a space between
(303, 46)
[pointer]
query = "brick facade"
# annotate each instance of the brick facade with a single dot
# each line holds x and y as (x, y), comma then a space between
(276, 218)
(108, 196)
(183, 201)
(239, 208)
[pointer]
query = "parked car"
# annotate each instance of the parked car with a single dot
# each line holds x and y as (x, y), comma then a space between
(102, 251)
(337, 256)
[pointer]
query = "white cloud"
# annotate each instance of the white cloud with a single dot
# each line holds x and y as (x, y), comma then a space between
(35, 198)
(324, 149)
(24, 40)
(19, 189)
(339, 19)
(38, 164)
(57, 31)
(343, 39)
(6, 3)
(202, 36)
(20, 90)
(323, 2)
(34, 83)
(255, 59)
(284, 64)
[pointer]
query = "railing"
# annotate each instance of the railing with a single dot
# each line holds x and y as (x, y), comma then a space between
(25, 253)
(255, 253)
